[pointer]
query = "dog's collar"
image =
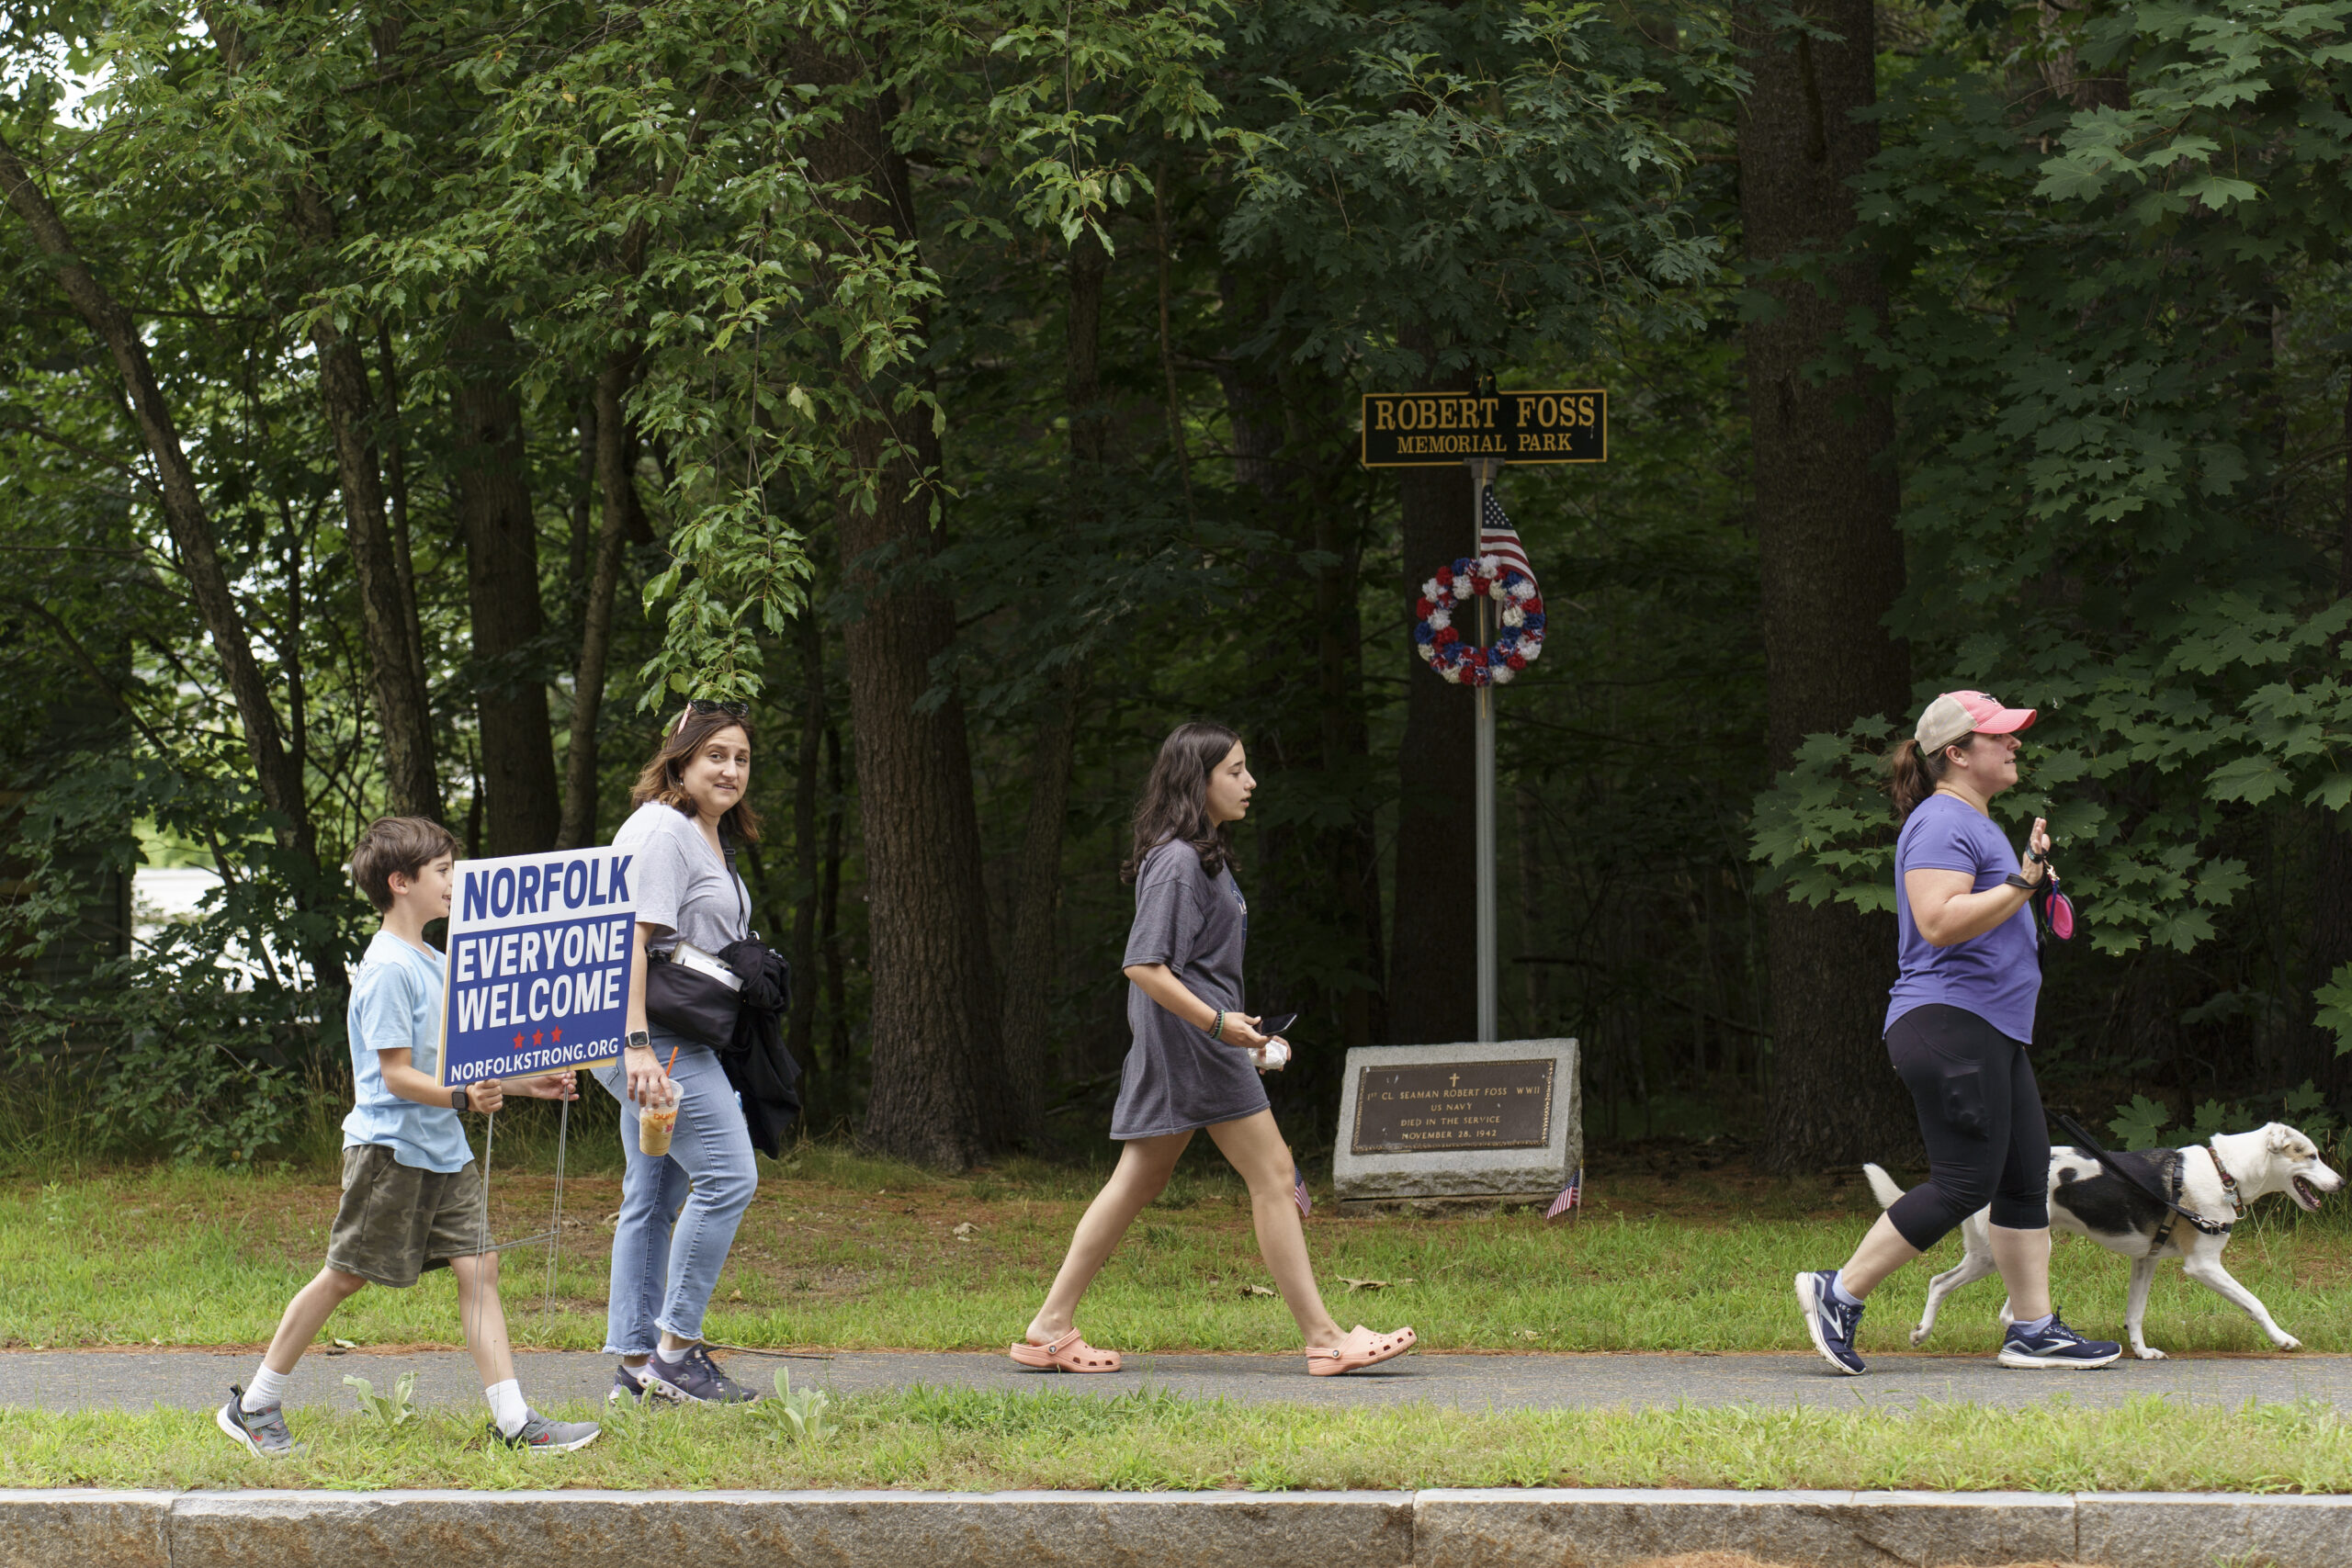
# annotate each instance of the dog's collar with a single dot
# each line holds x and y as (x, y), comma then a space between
(2228, 1182)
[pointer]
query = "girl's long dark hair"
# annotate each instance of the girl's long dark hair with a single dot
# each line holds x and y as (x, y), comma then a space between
(1175, 803)
(1917, 771)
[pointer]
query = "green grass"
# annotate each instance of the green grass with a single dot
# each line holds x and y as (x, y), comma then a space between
(847, 1253)
(963, 1441)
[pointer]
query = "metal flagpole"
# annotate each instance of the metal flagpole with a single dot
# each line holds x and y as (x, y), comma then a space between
(1482, 474)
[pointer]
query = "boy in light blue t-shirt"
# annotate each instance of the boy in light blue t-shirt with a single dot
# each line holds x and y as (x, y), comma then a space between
(412, 1196)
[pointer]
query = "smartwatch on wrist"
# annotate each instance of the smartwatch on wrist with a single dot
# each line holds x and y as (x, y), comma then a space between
(458, 1099)
(637, 1040)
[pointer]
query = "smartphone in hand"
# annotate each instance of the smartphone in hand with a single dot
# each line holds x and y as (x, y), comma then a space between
(1274, 1054)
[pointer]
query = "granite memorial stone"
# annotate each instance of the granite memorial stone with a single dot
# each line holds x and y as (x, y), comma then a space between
(1431, 1127)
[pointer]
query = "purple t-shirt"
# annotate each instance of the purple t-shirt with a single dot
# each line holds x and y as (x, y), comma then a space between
(1995, 976)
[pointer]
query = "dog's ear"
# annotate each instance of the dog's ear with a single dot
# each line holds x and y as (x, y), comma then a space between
(2281, 1139)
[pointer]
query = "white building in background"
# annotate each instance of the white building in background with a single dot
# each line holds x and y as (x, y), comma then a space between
(163, 895)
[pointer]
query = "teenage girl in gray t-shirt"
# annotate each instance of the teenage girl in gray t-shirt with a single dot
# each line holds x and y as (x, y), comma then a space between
(1190, 1067)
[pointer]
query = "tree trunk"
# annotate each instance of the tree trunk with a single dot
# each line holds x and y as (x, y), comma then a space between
(829, 905)
(1832, 562)
(2329, 945)
(938, 1057)
(388, 419)
(403, 707)
(524, 811)
(1346, 746)
(1029, 966)
(278, 773)
(805, 783)
(1432, 977)
(617, 488)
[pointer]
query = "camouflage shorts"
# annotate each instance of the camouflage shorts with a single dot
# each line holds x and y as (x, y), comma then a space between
(397, 1220)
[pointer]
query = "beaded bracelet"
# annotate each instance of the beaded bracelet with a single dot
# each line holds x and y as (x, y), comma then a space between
(1217, 1030)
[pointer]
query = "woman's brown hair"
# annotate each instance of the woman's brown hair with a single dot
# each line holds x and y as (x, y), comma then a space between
(662, 778)
(1917, 771)
(1175, 803)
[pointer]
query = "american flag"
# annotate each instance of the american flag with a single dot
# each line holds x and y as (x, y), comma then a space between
(1568, 1197)
(1497, 537)
(1299, 1194)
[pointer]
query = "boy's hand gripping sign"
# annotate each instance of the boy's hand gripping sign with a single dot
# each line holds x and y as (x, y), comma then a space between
(539, 950)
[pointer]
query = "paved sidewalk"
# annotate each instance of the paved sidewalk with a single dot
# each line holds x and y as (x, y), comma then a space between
(195, 1380)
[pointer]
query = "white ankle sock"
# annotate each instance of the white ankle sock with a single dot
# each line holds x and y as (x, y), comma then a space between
(2034, 1325)
(268, 1388)
(508, 1406)
(1837, 1289)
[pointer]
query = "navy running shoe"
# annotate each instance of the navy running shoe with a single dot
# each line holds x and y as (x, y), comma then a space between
(630, 1385)
(1830, 1321)
(693, 1379)
(2057, 1345)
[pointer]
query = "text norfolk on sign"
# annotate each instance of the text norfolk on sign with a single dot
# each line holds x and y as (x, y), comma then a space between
(1415, 429)
(539, 950)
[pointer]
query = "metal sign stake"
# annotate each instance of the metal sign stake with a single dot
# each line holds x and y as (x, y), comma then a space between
(1482, 474)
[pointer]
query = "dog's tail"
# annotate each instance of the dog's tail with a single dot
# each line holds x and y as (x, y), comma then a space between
(1882, 1187)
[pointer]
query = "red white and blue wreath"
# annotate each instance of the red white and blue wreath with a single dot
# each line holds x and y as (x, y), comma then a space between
(1519, 607)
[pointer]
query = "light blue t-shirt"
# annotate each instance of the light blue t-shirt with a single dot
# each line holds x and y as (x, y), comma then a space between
(1996, 975)
(396, 1005)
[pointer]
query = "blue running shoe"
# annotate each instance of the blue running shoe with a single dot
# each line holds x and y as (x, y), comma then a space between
(1830, 1321)
(2057, 1345)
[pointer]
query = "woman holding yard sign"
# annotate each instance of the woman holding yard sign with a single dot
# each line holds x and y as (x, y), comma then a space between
(673, 1093)
(1196, 1059)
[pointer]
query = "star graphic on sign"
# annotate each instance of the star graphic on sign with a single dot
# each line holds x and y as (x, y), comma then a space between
(518, 1043)
(556, 1035)
(539, 1037)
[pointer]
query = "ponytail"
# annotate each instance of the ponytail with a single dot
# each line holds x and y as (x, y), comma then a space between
(1917, 771)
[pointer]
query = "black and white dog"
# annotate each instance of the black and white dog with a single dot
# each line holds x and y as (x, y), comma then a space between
(2219, 1181)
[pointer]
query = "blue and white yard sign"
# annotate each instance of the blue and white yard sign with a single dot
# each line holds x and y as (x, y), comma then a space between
(539, 950)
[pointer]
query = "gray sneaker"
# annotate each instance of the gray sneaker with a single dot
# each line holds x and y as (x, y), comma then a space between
(262, 1432)
(696, 1380)
(541, 1436)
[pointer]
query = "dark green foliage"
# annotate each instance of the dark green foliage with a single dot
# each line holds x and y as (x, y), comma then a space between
(2118, 339)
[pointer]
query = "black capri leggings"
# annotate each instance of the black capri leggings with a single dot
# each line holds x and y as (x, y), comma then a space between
(1980, 1112)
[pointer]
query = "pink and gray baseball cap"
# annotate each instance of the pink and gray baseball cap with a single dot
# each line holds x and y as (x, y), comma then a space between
(1956, 714)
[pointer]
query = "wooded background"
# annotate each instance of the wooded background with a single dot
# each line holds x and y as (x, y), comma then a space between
(403, 407)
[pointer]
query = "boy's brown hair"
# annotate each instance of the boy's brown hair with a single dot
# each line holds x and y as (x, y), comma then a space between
(402, 844)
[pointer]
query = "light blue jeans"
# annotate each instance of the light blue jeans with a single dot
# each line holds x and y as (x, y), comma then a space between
(678, 1211)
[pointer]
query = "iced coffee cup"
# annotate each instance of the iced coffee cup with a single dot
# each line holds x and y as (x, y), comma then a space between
(654, 1126)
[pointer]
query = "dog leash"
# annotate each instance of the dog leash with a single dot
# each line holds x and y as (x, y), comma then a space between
(2137, 1180)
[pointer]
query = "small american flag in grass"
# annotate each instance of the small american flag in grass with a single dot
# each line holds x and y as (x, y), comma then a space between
(1570, 1196)
(1298, 1192)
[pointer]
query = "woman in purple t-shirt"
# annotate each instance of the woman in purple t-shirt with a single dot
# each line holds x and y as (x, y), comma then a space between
(1959, 1021)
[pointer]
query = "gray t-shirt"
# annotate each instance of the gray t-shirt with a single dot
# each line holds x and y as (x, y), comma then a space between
(685, 891)
(1176, 1077)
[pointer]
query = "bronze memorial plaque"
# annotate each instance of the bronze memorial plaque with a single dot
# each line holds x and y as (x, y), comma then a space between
(1454, 1105)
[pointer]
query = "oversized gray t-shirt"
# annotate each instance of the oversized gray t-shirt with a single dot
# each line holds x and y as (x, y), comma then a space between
(1176, 1077)
(685, 891)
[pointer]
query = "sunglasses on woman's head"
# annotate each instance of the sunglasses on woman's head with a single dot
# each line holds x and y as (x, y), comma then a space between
(703, 705)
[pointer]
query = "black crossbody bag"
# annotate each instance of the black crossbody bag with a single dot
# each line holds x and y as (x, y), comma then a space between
(690, 992)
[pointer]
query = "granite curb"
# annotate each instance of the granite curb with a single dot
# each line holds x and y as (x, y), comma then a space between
(1465, 1529)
